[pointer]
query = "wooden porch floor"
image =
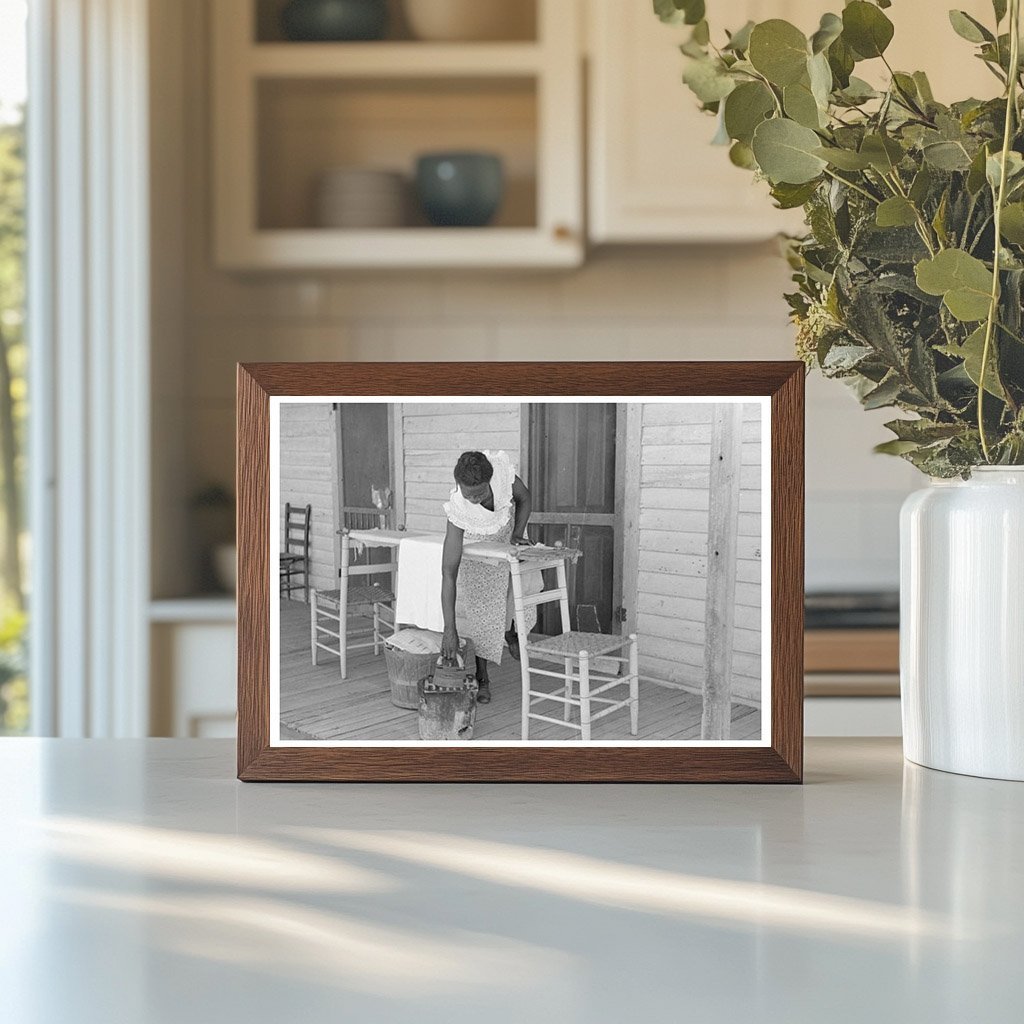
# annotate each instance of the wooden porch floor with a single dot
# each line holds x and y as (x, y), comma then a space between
(317, 704)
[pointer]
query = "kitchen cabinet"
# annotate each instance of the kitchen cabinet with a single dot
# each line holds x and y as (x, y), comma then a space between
(286, 113)
(653, 175)
(192, 649)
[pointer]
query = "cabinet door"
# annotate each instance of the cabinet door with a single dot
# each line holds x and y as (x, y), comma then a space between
(654, 175)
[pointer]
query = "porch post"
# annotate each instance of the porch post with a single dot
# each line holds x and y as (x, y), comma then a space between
(719, 609)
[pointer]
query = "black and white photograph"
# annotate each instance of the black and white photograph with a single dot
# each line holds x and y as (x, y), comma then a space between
(493, 571)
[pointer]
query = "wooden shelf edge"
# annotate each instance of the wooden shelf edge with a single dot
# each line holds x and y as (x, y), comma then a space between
(392, 60)
(409, 248)
(852, 650)
(206, 608)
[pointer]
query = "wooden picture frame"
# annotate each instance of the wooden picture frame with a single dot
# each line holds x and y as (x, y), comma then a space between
(778, 757)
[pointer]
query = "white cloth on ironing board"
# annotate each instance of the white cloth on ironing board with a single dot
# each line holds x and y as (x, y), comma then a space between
(418, 602)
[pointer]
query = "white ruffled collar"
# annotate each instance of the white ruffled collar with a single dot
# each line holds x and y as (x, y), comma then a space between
(476, 518)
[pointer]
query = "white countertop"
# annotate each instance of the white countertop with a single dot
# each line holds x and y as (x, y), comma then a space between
(142, 884)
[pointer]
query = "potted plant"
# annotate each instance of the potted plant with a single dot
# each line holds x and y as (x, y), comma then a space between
(908, 289)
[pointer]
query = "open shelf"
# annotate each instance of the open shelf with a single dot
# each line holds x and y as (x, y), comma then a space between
(520, 16)
(286, 114)
(308, 127)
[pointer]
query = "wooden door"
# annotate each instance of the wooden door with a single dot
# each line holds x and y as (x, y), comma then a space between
(573, 476)
(365, 454)
(364, 464)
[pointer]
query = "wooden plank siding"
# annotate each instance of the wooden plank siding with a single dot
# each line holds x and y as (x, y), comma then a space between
(308, 471)
(671, 547)
(433, 438)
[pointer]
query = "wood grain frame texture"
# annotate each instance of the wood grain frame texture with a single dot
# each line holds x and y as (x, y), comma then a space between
(781, 761)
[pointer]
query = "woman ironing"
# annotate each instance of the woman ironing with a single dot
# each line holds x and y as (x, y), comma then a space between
(488, 503)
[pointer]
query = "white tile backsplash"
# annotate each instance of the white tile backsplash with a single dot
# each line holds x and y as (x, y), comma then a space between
(717, 302)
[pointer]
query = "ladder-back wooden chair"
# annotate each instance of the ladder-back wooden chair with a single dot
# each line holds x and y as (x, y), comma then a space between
(295, 556)
(370, 596)
(593, 664)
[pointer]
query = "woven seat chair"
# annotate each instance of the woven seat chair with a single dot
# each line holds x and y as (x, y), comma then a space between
(583, 686)
(588, 662)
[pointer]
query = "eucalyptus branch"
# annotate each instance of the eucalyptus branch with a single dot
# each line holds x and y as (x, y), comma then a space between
(923, 227)
(1000, 199)
(981, 231)
(853, 185)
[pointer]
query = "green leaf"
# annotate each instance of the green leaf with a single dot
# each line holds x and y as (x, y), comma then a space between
(785, 152)
(994, 168)
(885, 394)
(741, 155)
(701, 33)
(963, 281)
(789, 197)
(745, 108)
(924, 87)
(708, 80)
(971, 352)
(896, 212)
(976, 174)
(883, 153)
(676, 12)
(946, 156)
(800, 105)
(923, 431)
(830, 29)
(939, 220)
(858, 91)
(721, 137)
(1012, 225)
(866, 29)
(969, 28)
(841, 60)
(778, 50)
(999, 6)
(844, 159)
(921, 185)
(739, 41)
(895, 447)
(906, 90)
(820, 76)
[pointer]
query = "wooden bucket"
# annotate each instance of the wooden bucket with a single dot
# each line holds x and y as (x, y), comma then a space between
(447, 702)
(405, 670)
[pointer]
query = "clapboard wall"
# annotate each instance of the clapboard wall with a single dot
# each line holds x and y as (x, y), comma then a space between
(308, 474)
(670, 546)
(432, 437)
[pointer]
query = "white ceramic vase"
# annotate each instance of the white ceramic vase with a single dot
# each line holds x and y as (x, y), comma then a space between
(962, 624)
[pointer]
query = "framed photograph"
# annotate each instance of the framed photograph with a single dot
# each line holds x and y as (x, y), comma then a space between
(552, 572)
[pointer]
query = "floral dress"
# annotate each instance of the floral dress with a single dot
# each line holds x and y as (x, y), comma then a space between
(483, 608)
(482, 597)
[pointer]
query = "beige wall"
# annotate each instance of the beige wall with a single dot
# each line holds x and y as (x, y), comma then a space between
(707, 302)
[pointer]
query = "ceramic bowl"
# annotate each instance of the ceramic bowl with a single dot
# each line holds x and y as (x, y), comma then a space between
(460, 189)
(334, 20)
(470, 20)
(358, 197)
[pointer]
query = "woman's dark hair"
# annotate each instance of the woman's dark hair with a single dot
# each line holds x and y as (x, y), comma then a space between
(473, 469)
